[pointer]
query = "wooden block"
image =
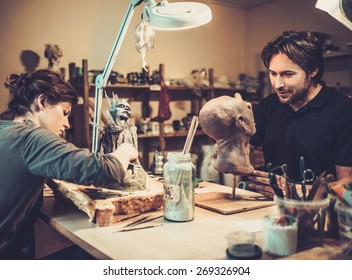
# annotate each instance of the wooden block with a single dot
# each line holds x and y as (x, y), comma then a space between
(102, 211)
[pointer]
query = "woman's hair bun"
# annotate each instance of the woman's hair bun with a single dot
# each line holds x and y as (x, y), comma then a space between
(23, 79)
(17, 81)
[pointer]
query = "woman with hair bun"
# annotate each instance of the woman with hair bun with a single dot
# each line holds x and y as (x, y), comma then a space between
(33, 148)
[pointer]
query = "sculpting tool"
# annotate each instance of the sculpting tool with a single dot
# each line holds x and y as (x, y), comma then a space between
(136, 221)
(301, 174)
(274, 185)
(315, 186)
(148, 220)
(137, 228)
(126, 218)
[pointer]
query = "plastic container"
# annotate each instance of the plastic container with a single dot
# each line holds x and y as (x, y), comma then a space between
(179, 183)
(344, 215)
(280, 239)
(311, 217)
(240, 245)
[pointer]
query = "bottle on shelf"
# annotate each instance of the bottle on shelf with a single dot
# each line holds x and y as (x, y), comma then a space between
(158, 161)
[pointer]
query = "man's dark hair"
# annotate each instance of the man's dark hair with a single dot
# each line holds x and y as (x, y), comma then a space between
(303, 48)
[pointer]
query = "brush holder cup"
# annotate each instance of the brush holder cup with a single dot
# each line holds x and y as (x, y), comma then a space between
(311, 217)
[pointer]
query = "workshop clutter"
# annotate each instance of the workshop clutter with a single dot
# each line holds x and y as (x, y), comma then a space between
(344, 214)
(322, 205)
(145, 77)
(311, 217)
(340, 214)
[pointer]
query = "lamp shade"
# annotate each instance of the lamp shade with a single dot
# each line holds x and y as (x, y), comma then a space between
(341, 10)
(179, 15)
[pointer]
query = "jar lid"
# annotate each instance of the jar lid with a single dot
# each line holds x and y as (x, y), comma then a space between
(178, 156)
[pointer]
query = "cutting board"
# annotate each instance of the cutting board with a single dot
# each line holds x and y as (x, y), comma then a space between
(224, 203)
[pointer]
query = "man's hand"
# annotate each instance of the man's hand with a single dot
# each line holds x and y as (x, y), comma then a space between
(261, 182)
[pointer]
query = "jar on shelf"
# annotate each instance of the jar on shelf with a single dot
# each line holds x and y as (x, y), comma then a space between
(179, 183)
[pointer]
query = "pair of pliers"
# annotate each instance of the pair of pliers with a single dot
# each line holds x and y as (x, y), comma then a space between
(274, 185)
(273, 181)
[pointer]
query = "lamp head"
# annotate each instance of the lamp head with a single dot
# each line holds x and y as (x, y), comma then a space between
(177, 16)
(341, 10)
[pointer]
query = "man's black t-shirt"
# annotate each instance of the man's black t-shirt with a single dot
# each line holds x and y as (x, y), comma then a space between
(321, 132)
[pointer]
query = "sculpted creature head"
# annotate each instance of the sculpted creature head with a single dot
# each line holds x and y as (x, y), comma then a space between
(120, 109)
(230, 122)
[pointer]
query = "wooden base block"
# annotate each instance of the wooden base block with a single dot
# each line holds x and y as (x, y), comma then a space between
(102, 211)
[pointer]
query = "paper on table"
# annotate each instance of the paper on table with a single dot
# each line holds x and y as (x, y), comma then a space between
(252, 225)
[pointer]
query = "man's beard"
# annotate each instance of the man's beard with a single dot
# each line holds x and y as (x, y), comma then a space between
(298, 94)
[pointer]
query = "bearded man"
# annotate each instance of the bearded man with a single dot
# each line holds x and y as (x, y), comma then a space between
(303, 118)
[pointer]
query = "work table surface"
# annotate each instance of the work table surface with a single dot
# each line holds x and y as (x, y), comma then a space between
(201, 238)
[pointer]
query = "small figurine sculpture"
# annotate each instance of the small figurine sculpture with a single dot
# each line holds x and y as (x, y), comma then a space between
(53, 53)
(197, 81)
(230, 122)
(120, 130)
(119, 125)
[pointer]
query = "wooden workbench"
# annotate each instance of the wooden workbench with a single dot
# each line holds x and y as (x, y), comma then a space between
(200, 239)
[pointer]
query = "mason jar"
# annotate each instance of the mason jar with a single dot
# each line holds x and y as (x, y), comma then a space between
(179, 183)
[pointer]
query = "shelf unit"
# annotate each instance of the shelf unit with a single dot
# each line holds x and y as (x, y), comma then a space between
(338, 72)
(80, 133)
(338, 54)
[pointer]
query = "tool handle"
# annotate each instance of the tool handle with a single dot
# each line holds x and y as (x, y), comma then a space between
(274, 185)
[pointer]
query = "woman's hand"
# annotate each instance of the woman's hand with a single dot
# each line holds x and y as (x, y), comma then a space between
(126, 153)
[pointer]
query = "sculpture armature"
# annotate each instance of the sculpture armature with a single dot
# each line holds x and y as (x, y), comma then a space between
(230, 122)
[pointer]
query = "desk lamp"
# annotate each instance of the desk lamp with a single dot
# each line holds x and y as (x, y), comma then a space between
(341, 10)
(162, 16)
